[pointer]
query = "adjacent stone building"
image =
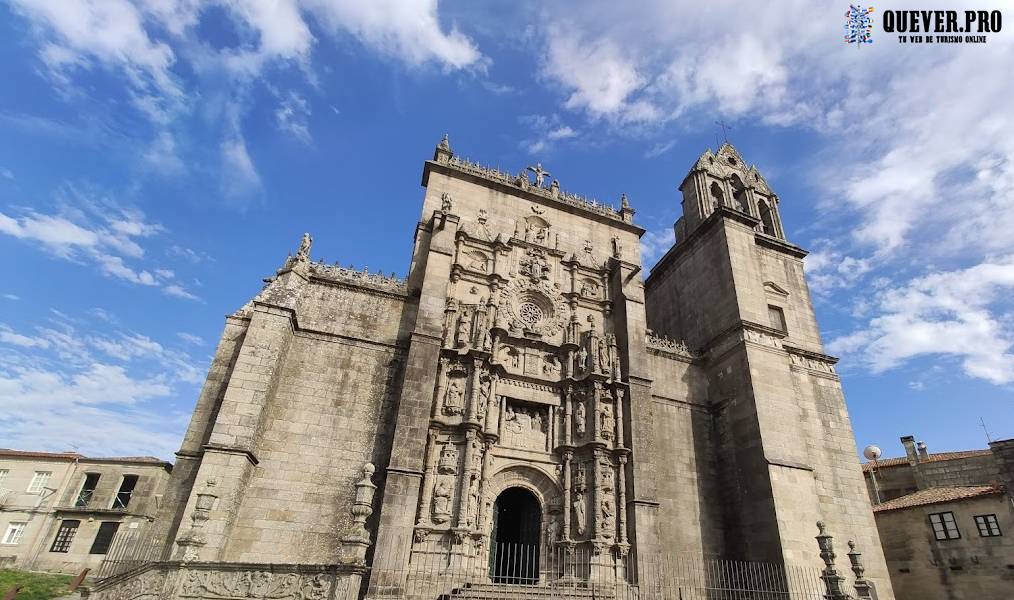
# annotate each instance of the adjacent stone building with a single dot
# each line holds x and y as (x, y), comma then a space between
(526, 386)
(946, 520)
(62, 511)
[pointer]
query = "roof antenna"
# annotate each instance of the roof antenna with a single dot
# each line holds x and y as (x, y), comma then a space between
(989, 440)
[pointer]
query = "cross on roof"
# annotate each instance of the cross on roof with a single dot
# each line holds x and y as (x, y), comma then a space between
(724, 126)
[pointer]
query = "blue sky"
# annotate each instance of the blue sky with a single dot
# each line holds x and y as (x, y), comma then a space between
(158, 158)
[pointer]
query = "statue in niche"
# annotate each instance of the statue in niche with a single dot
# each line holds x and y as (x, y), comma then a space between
(448, 463)
(551, 366)
(478, 262)
(607, 516)
(303, 254)
(534, 264)
(607, 422)
(462, 335)
(606, 475)
(453, 399)
(540, 235)
(552, 530)
(581, 478)
(603, 355)
(537, 421)
(442, 500)
(590, 289)
(485, 384)
(617, 247)
(580, 417)
(487, 339)
(582, 359)
(473, 500)
(580, 519)
(446, 204)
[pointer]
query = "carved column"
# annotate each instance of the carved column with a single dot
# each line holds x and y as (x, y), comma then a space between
(567, 456)
(473, 392)
(438, 406)
(427, 489)
(490, 421)
(499, 423)
(567, 419)
(450, 322)
(487, 471)
(621, 488)
(619, 417)
(464, 497)
(595, 408)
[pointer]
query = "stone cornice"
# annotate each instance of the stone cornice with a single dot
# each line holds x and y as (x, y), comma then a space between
(767, 241)
(507, 183)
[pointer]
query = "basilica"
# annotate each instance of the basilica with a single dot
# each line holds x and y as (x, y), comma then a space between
(526, 406)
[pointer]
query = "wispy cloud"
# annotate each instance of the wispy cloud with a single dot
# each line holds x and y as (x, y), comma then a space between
(102, 236)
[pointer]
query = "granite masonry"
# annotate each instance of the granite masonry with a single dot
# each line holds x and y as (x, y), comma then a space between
(525, 384)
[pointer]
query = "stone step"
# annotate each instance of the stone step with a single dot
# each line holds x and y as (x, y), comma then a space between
(494, 591)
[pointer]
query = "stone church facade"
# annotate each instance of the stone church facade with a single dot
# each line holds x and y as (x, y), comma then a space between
(528, 384)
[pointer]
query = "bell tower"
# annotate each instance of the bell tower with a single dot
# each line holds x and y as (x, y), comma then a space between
(733, 288)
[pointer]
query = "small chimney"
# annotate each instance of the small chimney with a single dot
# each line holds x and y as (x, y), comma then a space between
(923, 452)
(908, 442)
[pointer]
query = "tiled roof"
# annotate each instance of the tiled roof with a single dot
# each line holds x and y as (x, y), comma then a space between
(69, 456)
(896, 462)
(9, 453)
(937, 495)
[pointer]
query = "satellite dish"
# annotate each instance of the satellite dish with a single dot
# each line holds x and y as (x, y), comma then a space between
(872, 452)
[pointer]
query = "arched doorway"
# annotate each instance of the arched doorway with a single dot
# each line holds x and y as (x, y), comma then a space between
(517, 523)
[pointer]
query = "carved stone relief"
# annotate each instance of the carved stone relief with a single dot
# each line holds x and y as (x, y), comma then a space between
(525, 426)
(454, 397)
(255, 584)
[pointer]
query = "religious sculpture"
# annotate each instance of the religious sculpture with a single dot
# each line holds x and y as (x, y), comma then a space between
(579, 417)
(617, 247)
(442, 500)
(534, 264)
(448, 459)
(540, 174)
(453, 399)
(552, 530)
(462, 334)
(579, 513)
(446, 205)
(582, 359)
(485, 384)
(603, 356)
(607, 422)
(607, 517)
(303, 254)
(551, 366)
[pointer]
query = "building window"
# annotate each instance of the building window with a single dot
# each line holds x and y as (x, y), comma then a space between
(944, 527)
(104, 538)
(65, 535)
(126, 491)
(15, 530)
(776, 318)
(767, 222)
(87, 489)
(39, 481)
(988, 526)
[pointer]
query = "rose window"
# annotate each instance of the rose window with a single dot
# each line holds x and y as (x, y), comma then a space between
(530, 313)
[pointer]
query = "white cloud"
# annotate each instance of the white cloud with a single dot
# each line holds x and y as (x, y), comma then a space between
(659, 149)
(561, 133)
(6, 173)
(57, 383)
(948, 313)
(11, 296)
(292, 116)
(194, 340)
(408, 30)
(104, 240)
(240, 175)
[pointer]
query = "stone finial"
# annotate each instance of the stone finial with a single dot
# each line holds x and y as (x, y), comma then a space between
(358, 540)
(624, 203)
(830, 575)
(442, 154)
(303, 254)
(864, 588)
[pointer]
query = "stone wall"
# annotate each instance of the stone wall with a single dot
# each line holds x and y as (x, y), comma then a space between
(968, 568)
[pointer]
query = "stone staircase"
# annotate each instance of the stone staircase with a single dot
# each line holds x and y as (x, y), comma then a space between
(495, 591)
